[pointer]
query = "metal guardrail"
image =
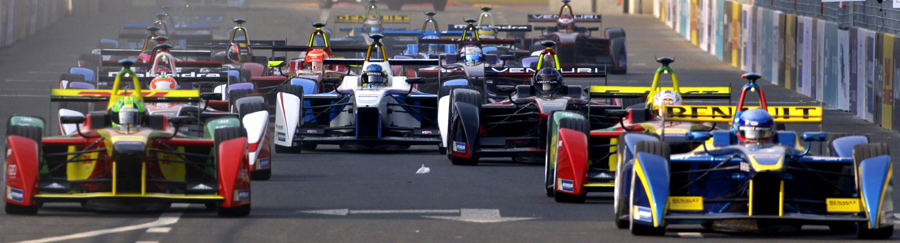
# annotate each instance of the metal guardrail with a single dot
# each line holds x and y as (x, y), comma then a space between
(881, 17)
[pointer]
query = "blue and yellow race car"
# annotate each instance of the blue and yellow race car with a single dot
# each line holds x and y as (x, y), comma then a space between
(755, 178)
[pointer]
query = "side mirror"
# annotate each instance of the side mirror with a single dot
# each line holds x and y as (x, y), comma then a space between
(450, 58)
(331, 80)
(506, 88)
(814, 136)
(412, 81)
(181, 120)
(211, 96)
(617, 113)
(71, 119)
(698, 136)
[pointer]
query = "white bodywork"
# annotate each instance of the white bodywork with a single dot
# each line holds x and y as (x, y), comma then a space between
(255, 124)
(443, 118)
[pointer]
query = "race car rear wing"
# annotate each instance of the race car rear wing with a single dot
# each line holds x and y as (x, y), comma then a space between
(725, 114)
(298, 48)
(94, 95)
(723, 92)
(360, 19)
(177, 53)
(552, 18)
(507, 28)
(401, 62)
(180, 77)
(179, 27)
(459, 41)
(528, 72)
(180, 64)
(175, 36)
(262, 44)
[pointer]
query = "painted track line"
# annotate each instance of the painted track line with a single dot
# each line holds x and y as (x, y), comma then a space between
(167, 218)
(690, 235)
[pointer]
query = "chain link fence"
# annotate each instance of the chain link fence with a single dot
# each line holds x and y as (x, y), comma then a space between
(881, 17)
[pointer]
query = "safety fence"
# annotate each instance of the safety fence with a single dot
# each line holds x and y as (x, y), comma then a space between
(847, 67)
(19, 19)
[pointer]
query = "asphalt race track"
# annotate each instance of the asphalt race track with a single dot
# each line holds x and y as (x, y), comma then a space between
(331, 195)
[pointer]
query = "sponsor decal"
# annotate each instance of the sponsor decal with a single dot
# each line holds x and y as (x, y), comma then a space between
(11, 171)
(426, 132)
(643, 214)
(311, 131)
(262, 163)
(554, 17)
(843, 205)
(459, 147)
(281, 136)
(279, 127)
(241, 195)
(686, 203)
(566, 185)
(176, 75)
(745, 167)
(562, 70)
(15, 194)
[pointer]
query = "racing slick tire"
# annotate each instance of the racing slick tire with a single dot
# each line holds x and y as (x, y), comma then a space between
(234, 95)
(325, 4)
(652, 147)
(246, 109)
(33, 133)
(466, 96)
(296, 90)
(620, 198)
(829, 140)
(581, 125)
(222, 135)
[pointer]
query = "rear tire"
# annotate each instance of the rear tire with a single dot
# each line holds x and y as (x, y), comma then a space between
(465, 96)
(234, 95)
(868, 150)
(830, 137)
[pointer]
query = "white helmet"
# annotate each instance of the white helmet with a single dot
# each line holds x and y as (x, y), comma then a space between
(667, 97)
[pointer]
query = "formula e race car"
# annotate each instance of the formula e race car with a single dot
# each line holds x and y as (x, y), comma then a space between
(576, 45)
(755, 179)
(516, 127)
(594, 169)
(127, 159)
(439, 5)
(373, 110)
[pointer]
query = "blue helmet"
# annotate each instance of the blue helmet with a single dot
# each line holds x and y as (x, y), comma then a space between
(374, 76)
(755, 126)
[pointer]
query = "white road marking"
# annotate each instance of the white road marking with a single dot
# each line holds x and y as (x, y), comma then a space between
(147, 242)
(167, 218)
(345, 212)
(159, 230)
(480, 216)
(690, 235)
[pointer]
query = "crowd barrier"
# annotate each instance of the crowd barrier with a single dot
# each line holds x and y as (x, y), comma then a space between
(19, 19)
(848, 68)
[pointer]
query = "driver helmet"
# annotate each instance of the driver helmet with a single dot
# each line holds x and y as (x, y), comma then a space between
(547, 81)
(315, 59)
(472, 55)
(755, 126)
(373, 76)
(234, 54)
(565, 22)
(432, 48)
(666, 98)
(163, 82)
(128, 112)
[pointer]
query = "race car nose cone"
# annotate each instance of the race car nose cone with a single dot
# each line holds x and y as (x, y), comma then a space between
(129, 148)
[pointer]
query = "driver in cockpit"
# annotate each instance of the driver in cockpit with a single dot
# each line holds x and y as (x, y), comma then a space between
(374, 76)
(472, 55)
